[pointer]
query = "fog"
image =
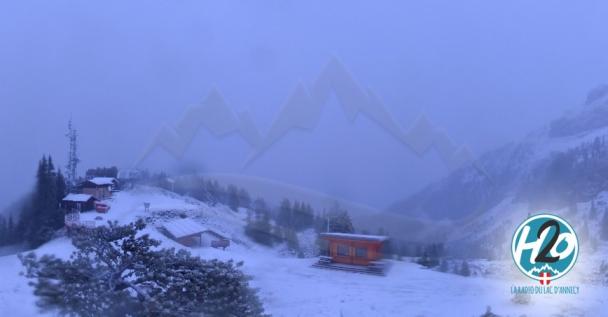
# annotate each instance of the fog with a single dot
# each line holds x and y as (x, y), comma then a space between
(482, 72)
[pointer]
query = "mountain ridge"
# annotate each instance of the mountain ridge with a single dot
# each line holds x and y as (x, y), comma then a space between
(510, 169)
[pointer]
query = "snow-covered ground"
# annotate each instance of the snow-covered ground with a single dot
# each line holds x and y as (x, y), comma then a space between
(291, 287)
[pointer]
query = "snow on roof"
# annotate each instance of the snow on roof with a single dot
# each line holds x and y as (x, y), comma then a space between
(102, 180)
(184, 227)
(78, 197)
(352, 236)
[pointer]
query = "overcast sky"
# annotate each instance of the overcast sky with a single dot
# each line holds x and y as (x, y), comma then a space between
(485, 72)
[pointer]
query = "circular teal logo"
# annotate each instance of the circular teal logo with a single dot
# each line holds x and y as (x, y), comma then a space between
(544, 247)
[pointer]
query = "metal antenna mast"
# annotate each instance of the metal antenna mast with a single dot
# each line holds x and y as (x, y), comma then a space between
(73, 159)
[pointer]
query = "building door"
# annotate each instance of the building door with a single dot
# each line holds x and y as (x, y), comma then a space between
(344, 254)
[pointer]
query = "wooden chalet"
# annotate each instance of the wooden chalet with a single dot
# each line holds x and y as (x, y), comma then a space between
(99, 187)
(191, 234)
(78, 203)
(73, 205)
(353, 252)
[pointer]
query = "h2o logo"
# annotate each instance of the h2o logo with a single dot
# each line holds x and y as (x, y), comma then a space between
(544, 247)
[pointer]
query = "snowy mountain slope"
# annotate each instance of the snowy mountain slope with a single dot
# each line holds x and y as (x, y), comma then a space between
(513, 170)
(490, 234)
(289, 286)
(127, 206)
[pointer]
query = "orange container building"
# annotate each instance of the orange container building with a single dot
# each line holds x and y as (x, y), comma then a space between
(355, 249)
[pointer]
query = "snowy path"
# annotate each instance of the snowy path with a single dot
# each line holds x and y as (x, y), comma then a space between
(291, 287)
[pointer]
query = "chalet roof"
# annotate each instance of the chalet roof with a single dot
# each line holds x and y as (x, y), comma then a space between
(352, 236)
(102, 181)
(78, 197)
(183, 228)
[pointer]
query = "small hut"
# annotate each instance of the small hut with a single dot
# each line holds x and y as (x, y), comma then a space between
(78, 203)
(353, 252)
(191, 234)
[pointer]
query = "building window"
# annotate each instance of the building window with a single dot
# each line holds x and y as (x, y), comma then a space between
(342, 250)
(361, 252)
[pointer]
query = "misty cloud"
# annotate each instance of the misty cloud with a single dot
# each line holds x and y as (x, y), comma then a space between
(486, 73)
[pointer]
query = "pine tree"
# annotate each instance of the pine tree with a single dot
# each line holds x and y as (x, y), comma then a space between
(302, 216)
(139, 279)
(320, 222)
(106, 172)
(604, 229)
(464, 269)
(278, 234)
(427, 259)
(307, 217)
(10, 235)
(216, 192)
(233, 198)
(296, 213)
(30, 219)
(55, 214)
(3, 231)
(260, 230)
(258, 227)
(339, 220)
(244, 198)
(285, 217)
(41, 217)
(292, 241)
(260, 208)
(61, 186)
(213, 192)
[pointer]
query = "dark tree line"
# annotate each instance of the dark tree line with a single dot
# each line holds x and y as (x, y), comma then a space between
(102, 172)
(430, 255)
(336, 219)
(268, 228)
(206, 190)
(282, 226)
(41, 215)
(258, 225)
(8, 231)
(297, 216)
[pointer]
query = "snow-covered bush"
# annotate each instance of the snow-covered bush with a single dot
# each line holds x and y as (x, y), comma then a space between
(115, 271)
